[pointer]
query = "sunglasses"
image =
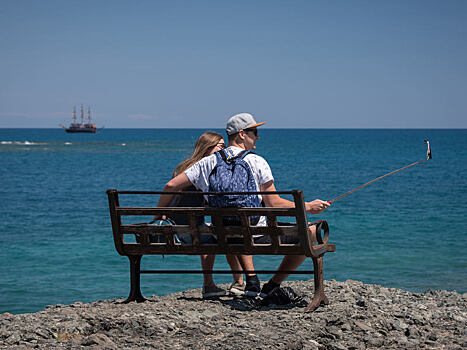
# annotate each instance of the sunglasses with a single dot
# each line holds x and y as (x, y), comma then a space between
(253, 130)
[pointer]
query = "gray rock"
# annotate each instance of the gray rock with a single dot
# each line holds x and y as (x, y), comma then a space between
(360, 316)
(399, 325)
(336, 332)
(363, 326)
(376, 342)
(338, 346)
(14, 338)
(412, 332)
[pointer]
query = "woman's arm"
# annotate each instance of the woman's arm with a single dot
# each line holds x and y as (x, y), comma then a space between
(178, 183)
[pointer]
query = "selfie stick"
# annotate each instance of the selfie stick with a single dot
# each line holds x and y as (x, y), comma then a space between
(428, 156)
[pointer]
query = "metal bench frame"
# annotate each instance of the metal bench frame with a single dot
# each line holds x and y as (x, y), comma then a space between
(313, 245)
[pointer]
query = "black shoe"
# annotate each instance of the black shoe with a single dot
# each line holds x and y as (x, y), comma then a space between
(253, 287)
(252, 284)
(269, 287)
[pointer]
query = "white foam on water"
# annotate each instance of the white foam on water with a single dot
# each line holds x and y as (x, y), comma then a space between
(68, 143)
(22, 143)
(123, 144)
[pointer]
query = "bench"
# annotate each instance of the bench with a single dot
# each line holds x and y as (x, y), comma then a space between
(312, 244)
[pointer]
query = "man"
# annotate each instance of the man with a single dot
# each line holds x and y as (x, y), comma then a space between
(242, 135)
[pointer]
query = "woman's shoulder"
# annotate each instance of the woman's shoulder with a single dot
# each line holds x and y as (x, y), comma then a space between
(204, 162)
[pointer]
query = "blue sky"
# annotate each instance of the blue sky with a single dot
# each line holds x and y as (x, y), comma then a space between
(298, 64)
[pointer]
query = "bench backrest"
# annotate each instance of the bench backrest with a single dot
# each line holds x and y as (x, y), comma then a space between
(274, 228)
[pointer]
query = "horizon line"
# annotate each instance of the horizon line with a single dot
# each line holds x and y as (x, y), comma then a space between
(266, 128)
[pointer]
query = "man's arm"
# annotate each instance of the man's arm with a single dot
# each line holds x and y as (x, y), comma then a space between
(274, 200)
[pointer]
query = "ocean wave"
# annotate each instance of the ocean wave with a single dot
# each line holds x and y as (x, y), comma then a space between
(22, 143)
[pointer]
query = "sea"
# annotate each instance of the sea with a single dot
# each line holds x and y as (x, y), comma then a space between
(406, 231)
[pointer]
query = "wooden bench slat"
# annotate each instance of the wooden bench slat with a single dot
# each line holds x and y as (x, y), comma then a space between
(159, 249)
(204, 211)
(228, 230)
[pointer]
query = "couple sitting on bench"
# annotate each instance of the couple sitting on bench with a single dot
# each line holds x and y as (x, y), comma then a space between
(214, 168)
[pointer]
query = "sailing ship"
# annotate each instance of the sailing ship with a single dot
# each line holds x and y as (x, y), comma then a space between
(88, 127)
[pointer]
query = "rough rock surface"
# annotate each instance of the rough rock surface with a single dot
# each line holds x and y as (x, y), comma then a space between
(360, 316)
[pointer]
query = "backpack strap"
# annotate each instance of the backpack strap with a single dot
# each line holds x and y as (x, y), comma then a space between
(244, 153)
(229, 158)
(223, 155)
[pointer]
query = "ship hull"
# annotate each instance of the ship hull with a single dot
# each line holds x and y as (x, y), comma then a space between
(81, 130)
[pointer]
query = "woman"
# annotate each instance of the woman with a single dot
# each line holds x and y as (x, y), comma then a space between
(207, 144)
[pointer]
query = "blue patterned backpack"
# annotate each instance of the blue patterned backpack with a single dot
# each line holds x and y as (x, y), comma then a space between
(233, 174)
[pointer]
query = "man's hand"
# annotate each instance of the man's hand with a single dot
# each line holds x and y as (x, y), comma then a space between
(317, 206)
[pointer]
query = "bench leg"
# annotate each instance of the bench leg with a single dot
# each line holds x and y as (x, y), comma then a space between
(319, 297)
(135, 291)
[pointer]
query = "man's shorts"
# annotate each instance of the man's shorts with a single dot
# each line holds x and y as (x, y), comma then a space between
(188, 240)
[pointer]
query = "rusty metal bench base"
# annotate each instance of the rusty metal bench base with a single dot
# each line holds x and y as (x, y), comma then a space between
(319, 297)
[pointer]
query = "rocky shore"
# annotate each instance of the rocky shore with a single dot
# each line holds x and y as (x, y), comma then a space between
(360, 316)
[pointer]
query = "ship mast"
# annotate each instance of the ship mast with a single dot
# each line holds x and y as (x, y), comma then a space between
(74, 114)
(82, 115)
(89, 114)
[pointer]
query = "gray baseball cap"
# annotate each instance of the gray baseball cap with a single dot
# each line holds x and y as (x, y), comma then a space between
(241, 121)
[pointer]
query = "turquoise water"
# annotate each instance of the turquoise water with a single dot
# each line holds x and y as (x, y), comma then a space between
(406, 231)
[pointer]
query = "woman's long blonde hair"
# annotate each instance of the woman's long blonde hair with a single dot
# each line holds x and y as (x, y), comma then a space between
(203, 146)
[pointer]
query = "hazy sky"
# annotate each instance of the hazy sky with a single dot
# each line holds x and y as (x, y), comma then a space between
(310, 64)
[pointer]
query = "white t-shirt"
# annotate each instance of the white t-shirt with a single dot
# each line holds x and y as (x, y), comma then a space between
(198, 173)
